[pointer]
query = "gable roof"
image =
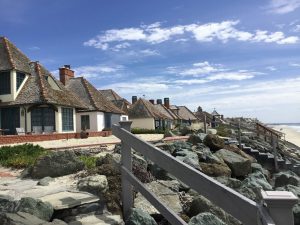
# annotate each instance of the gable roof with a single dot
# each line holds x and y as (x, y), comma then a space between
(11, 58)
(142, 108)
(110, 94)
(91, 96)
(167, 112)
(185, 113)
(37, 90)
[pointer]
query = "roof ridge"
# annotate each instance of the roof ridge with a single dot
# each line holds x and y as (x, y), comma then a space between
(143, 101)
(5, 41)
(41, 81)
(89, 92)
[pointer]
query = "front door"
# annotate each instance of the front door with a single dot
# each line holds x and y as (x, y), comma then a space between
(107, 120)
(10, 119)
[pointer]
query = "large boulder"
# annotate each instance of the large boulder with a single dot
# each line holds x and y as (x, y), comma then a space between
(160, 173)
(196, 138)
(188, 157)
(56, 164)
(213, 142)
(239, 166)
(139, 217)
(35, 207)
(205, 155)
(200, 205)
(165, 194)
(215, 169)
(205, 219)
(285, 178)
(94, 184)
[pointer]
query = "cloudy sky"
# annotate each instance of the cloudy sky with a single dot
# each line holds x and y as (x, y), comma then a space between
(240, 57)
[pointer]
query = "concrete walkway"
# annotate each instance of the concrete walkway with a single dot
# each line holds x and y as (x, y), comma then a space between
(91, 141)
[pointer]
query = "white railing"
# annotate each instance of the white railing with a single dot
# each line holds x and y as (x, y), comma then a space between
(275, 209)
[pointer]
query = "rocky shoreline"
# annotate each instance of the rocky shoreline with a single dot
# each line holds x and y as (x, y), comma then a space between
(59, 189)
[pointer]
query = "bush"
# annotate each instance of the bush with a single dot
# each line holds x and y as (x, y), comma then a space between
(223, 131)
(89, 161)
(147, 131)
(20, 156)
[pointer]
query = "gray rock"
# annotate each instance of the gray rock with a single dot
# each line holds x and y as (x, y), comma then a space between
(165, 194)
(285, 178)
(229, 182)
(42, 210)
(20, 218)
(213, 142)
(8, 205)
(97, 184)
(200, 205)
(160, 173)
(215, 169)
(205, 155)
(169, 133)
(257, 167)
(45, 181)
(205, 219)
(190, 158)
(56, 164)
(95, 219)
(196, 138)
(139, 217)
(239, 166)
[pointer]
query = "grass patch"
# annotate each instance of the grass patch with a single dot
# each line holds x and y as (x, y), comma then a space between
(89, 161)
(20, 156)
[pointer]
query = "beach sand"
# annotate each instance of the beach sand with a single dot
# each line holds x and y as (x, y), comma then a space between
(291, 134)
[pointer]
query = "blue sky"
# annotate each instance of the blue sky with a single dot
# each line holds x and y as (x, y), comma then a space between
(240, 57)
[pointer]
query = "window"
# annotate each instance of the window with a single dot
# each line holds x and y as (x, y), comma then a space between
(43, 117)
(67, 119)
(20, 79)
(85, 122)
(4, 83)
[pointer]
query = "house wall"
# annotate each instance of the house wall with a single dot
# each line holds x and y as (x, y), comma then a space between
(93, 121)
(124, 118)
(13, 88)
(100, 121)
(144, 123)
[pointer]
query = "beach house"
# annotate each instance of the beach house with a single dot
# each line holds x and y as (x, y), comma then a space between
(101, 113)
(31, 99)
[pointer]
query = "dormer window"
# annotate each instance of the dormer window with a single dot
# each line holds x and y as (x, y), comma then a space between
(20, 79)
(5, 83)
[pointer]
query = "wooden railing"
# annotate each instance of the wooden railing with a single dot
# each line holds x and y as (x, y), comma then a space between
(275, 209)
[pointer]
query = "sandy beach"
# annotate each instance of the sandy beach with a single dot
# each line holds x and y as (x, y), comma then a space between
(292, 135)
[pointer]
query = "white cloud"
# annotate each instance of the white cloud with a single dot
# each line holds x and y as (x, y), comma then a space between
(296, 28)
(271, 68)
(283, 6)
(98, 71)
(149, 52)
(238, 75)
(34, 48)
(208, 32)
(295, 64)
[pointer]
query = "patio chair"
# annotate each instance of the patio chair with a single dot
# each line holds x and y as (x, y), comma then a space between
(20, 131)
(48, 129)
(37, 129)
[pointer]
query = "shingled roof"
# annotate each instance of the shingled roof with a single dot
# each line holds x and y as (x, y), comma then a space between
(11, 58)
(142, 108)
(91, 96)
(185, 113)
(116, 99)
(167, 112)
(36, 89)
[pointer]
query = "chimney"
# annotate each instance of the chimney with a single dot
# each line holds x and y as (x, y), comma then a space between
(152, 101)
(134, 99)
(65, 74)
(167, 102)
(159, 101)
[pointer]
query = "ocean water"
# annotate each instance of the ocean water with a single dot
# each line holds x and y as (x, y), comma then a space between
(295, 126)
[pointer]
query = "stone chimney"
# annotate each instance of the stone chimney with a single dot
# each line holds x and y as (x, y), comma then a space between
(134, 99)
(65, 74)
(159, 101)
(167, 103)
(152, 101)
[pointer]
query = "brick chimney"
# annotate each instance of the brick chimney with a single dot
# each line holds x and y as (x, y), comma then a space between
(134, 99)
(65, 73)
(152, 101)
(167, 103)
(159, 101)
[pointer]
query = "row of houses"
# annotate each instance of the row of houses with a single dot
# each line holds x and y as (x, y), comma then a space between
(32, 100)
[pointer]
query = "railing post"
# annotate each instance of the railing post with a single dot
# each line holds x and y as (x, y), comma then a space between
(274, 145)
(205, 124)
(239, 130)
(279, 205)
(126, 161)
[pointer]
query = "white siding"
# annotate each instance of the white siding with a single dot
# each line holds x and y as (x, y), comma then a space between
(93, 121)
(100, 121)
(145, 123)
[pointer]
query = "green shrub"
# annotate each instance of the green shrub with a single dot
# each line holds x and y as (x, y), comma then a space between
(20, 156)
(147, 131)
(223, 131)
(89, 161)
